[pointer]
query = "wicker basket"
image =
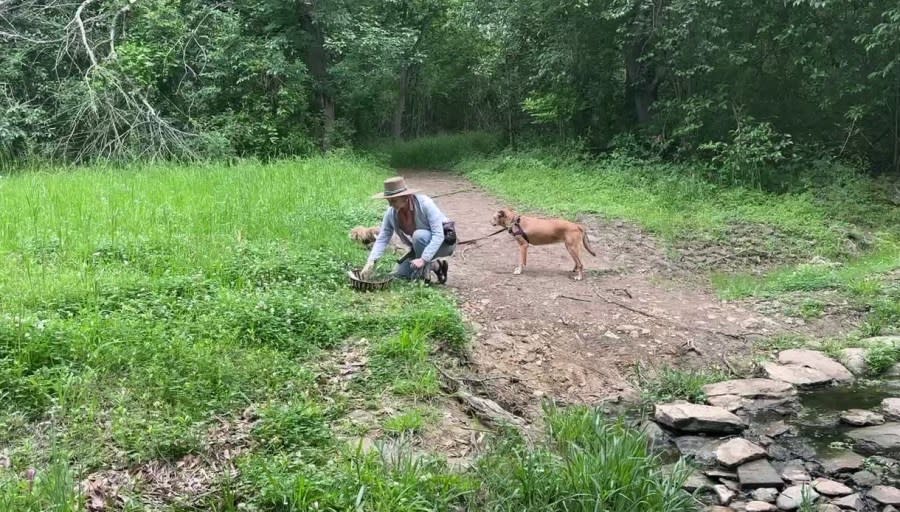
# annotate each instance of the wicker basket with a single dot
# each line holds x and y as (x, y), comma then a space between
(360, 284)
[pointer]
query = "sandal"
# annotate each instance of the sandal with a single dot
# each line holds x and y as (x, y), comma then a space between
(443, 267)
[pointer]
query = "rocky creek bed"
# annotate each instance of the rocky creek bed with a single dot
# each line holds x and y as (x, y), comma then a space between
(807, 430)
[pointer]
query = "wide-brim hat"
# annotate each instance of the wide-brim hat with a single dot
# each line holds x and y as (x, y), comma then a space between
(395, 187)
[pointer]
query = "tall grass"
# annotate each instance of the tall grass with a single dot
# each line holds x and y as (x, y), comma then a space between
(588, 463)
(437, 152)
(138, 305)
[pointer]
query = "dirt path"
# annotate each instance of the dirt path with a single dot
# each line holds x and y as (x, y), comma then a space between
(544, 334)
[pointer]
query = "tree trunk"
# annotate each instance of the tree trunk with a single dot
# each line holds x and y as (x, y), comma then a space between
(317, 62)
(400, 106)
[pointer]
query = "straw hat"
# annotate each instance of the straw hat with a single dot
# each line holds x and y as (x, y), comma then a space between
(395, 187)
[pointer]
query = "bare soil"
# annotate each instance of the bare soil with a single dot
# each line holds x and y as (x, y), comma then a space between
(542, 334)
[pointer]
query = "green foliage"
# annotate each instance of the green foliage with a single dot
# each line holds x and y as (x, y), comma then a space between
(881, 357)
(666, 384)
(438, 152)
(588, 462)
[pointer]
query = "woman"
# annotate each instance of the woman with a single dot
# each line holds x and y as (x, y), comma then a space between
(419, 224)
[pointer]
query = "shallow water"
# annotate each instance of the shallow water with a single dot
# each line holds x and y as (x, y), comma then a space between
(818, 422)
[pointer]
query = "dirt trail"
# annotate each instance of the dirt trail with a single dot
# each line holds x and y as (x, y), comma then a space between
(544, 334)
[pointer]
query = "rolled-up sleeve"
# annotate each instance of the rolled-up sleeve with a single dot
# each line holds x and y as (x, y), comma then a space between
(384, 236)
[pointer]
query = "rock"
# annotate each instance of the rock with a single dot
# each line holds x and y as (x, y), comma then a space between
(657, 439)
(891, 408)
(750, 394)
(854, 359)
(861, 418)
(882, 340)
(800, 376)
(865, 478)
(889, 508)
(716, 508)
(724, 494)
(828, 487)
(767, 494)
(853, 502)
(893, 371)
(778, 452)
(697, 481)
(760, 506)
(698, 418)
(719, 473)
(739, 506)
(828, 507)
(879, 440)
(758, 473)
(778, 428)
(792, 497)
(795, 473)
(885, 495)
(701, 449)
(734, 485)
(816, 360)
(738, 451)
(843, 463)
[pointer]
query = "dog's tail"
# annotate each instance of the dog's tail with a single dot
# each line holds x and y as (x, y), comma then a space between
(584, 240)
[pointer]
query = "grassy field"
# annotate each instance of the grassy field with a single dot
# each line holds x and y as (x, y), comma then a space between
(169, 339)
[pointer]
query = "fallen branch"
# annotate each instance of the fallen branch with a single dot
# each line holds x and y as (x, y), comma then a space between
(573, 298)
(485, 409)
(455, 192)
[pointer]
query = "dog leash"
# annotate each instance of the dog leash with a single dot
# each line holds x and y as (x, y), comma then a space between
(472, 241)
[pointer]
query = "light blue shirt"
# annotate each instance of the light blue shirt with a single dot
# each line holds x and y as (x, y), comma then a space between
(428, 216)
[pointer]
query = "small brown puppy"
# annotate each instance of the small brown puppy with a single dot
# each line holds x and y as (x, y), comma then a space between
(535, 231)
(365, 236)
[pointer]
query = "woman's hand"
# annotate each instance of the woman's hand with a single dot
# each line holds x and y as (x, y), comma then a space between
(367, 270)
(417, 263)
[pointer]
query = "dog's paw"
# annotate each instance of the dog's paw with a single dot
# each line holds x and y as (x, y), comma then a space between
(517, 271)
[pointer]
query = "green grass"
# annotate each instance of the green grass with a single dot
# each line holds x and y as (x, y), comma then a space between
(159, 315)
(438, 152)
(666, 384)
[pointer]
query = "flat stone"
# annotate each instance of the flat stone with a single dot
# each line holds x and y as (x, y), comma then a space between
(891, 408)
(861, 418)
(889, 508)
(760, 506)
(767, 494)
(828, 507)
(885, 495)
(816, 360)
(724, 494)
(738, 451)
(878, 440)
(749, 394)
(758, 473)
(698, 418)
(734, 485)
(843, 463)
(697, 481)
(777, 428)
(865, 478)
(701, 449)
(720, 473)
(717, 508)
(800, 376)
(828, 487)
(853, 502)
(794, 473)
(792, 497)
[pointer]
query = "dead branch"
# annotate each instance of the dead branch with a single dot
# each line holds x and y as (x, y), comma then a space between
(84, 39)
(485, 409)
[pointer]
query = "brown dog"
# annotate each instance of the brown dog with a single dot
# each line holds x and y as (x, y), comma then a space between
(365, 236)
(535, 231)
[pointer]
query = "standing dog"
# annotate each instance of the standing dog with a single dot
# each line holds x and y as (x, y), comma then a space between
(534, 231)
